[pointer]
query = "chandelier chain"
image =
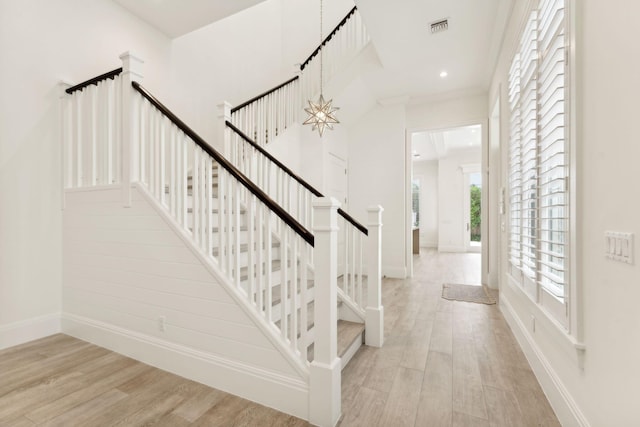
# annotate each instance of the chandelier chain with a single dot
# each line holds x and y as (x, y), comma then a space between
(321, 48)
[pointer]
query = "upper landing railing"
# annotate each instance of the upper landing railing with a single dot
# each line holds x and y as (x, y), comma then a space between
(265, 116)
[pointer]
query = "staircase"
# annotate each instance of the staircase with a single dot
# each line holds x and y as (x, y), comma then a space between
(255, 248)
(350, 334)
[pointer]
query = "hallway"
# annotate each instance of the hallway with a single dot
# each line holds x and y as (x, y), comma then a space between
(443, 363)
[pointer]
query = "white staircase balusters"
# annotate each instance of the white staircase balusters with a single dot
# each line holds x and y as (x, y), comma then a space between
(90, 130)
(266, 116)
(114, 134)
(259, 251)
(339, 47)
(296, 195)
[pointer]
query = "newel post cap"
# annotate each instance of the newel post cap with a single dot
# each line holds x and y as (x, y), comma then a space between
(63, 85)
(224, 110)
(326, 203)
(132, 63)
(375, 215)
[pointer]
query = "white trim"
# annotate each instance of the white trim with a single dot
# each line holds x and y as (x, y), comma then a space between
(563, 403)
(348, 310)
(283, 393)
(23, 331)
(351, 351)
(395, 272)
(542, 312)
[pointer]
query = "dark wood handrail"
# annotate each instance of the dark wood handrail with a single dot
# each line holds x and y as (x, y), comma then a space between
(246, 182)
(329, 37)
(262, 95)
(94, 81)
(304, 64)
(269, 156)
(302, 182)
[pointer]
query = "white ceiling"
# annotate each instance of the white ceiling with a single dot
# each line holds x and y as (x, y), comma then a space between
(412, 57)
(438, 144)
(178, 17)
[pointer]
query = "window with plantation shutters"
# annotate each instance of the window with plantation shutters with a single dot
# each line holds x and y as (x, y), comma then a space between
(515, 173)
(538, 160)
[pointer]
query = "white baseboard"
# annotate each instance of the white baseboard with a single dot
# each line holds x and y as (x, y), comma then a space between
(395, 272)
(565, 407)
(17, 333)
(286, 394)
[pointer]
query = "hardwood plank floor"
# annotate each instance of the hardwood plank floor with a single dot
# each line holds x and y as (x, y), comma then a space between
(460, 363)
(444, 363)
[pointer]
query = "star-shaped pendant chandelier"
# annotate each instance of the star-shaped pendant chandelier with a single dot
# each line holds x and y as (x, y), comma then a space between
(321, 115)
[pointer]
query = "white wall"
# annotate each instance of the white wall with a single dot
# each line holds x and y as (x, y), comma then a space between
(377, 177)
(232, 60)
(125, 268)
(451, 205)
(427, 171)
(42, 42)
(598, 391)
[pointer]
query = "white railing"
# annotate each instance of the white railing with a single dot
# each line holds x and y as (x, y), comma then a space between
(340, 46)
(114, 132)
(274, 178)
(269, 114)
(297, 197)
(91, 123)
(266, 116)
(262, 249)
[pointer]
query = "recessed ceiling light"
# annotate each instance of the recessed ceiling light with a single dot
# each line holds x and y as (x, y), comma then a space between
(443, 74)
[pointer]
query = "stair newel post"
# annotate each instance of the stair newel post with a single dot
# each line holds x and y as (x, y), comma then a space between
(131, 72)
(374, 320)
(224, 137)
(324, 372)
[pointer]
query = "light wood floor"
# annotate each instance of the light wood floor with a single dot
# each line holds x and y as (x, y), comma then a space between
(444, 363)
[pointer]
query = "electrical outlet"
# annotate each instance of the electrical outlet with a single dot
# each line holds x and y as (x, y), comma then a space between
(162, 323)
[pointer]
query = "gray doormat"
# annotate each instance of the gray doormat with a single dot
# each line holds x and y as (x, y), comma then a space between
(467, 293)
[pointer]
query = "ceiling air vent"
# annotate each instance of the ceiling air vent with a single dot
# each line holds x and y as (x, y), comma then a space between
(439, 26)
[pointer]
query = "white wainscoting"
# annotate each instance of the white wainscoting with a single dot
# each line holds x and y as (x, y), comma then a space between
(17, 333)
(132, 283)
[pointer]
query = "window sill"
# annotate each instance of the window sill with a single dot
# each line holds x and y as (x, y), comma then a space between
(543, 330)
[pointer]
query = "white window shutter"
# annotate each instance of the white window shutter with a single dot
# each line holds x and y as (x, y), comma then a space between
(515, 174)
(552, 141)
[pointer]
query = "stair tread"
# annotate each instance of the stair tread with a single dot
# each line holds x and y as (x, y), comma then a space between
(348, 332)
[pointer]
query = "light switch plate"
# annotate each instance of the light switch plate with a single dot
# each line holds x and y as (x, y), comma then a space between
(618, 246)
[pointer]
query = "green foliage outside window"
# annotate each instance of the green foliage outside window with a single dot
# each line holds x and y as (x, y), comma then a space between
(476, 193)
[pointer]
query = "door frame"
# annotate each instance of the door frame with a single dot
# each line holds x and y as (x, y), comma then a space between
(484, 132)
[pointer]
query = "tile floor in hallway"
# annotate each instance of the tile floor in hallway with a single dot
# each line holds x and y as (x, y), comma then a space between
(444, 363)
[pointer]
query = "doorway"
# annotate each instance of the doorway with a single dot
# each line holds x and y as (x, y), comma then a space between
(447, 164)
